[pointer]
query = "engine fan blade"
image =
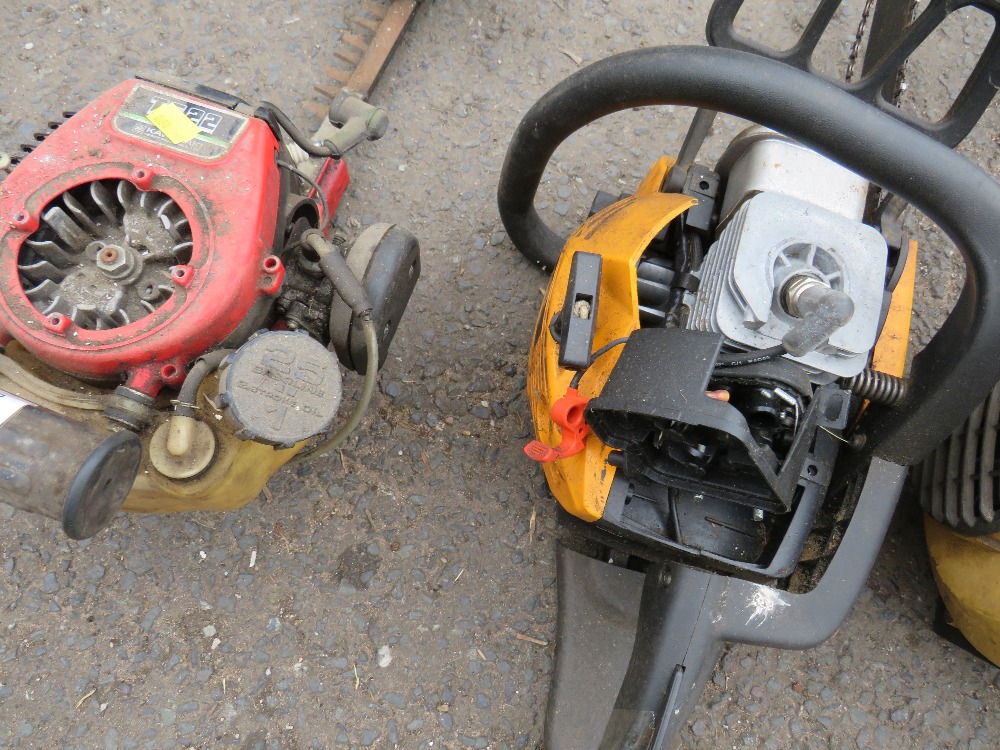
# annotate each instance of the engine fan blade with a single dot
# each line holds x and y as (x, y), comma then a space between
(173, 219)
(104, 201)
(102, 321)
(79, 215)
(182, 251)
(68, 230)
(126, 194)
(146, 202)
(46, 290)
(56, 305)
(50, 251)
(84, 316)
(165, 206)
(41, 270)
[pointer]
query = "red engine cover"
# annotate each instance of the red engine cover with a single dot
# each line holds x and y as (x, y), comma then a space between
(222, 186)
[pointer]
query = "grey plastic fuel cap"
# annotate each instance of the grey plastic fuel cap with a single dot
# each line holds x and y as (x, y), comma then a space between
(279, 388)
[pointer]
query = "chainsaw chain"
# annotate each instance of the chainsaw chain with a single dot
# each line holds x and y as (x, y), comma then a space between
(879, 196)
(852, 58)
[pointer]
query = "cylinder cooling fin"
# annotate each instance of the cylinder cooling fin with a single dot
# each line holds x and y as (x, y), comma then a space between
(773, 240)
(103, 253)
(958, 483)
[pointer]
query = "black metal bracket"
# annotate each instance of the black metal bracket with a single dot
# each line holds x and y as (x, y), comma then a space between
(631, 410)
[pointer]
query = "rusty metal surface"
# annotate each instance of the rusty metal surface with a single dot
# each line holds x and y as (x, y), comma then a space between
(363, 58)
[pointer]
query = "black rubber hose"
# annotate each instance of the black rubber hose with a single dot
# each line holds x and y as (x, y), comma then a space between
(353, 292)
(335, 267)
(682, 266)
(300, 138)
(961, 198)
(697, 250)
(186, 405)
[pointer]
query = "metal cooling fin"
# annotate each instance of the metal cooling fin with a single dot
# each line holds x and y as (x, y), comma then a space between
(103, 254)
(73, 237)
(104, 201)
(79, 214)
(42, 271)
(51, 251)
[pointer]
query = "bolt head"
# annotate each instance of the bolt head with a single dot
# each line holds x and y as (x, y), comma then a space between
(116, 262)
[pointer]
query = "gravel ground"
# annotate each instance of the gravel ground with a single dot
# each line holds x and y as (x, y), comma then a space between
(398, 594)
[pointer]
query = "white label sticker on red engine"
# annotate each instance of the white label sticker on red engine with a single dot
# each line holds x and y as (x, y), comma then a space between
(218, 129)
(10, 405)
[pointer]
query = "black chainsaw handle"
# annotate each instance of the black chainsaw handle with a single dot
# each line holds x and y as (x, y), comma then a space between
(959, 367)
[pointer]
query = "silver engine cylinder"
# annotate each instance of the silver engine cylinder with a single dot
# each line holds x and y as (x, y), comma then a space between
(760, 160)
(774, 240)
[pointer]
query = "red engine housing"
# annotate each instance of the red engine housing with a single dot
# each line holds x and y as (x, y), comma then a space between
(229, 189)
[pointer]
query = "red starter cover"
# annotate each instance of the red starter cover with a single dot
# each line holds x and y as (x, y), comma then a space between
(221, 184)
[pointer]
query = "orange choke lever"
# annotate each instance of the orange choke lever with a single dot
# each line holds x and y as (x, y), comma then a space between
(567, 412)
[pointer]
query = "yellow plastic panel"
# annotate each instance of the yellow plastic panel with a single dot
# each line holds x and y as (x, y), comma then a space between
(237, 475)
(889, 355)
(965, 569)
(620, 233)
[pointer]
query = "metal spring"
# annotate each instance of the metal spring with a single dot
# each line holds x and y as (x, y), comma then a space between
(876, 386)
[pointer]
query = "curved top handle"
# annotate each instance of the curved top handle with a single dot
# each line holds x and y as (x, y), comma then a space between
(960, 365)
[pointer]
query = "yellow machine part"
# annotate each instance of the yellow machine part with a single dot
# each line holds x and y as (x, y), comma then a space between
(965, 569)
(889, 354)
(620, 233)
(236, 475)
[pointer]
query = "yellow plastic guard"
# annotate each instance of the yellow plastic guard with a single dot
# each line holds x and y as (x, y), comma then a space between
(889, 355)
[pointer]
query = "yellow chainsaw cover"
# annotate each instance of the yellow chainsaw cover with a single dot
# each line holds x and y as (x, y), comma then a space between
(619, 234)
